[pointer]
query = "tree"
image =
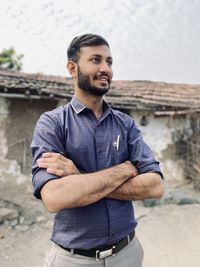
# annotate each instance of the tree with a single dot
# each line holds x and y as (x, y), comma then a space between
(9, 60)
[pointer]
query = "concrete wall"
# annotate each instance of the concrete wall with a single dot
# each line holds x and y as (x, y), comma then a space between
(3, 116)
(167, 136)
(192, 153)
(23, 115)
(17, 121)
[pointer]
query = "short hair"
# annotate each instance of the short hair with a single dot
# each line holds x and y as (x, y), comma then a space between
(83, 41)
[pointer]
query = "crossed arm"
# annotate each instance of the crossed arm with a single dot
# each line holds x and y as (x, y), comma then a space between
(75, 189)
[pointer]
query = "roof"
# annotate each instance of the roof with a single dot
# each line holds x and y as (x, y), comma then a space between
(36, 86)
(137, 95)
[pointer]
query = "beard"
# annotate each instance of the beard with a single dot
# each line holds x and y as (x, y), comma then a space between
(85, 85)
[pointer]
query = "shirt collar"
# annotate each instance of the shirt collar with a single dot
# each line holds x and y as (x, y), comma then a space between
(78, 107)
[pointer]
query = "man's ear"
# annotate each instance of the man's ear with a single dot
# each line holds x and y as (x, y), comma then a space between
(72, 68)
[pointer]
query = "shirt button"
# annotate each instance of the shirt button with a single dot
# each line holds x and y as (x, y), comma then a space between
(100, 152)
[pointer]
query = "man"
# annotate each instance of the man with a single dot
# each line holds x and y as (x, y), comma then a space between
(89, 163)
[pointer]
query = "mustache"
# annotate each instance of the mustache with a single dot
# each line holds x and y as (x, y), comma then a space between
(103, 75)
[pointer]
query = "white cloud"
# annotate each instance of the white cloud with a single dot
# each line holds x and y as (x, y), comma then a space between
(150, 39)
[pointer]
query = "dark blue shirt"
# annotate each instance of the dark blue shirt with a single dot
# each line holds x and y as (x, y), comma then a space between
(92, 145)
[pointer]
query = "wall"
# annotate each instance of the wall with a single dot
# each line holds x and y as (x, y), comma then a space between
(23, 115)
(167, 136)
(3, 116)
(192, 153)
(17, 121)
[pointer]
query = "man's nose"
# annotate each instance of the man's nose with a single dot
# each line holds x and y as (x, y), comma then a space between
(104, 67)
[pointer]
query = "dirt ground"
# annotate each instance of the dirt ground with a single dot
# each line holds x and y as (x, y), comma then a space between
(170, 236)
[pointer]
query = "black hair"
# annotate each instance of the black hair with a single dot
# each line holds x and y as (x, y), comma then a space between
(82, 41)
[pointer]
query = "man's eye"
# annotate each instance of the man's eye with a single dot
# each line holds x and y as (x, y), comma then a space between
(109, 62)
(96, 60)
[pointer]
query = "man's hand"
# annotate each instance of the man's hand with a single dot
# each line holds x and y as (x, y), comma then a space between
(130, 165)
(57, 164)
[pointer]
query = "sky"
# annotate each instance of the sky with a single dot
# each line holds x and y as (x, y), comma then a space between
(157, 40)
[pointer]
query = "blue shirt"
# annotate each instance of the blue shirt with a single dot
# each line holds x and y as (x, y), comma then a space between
(92, 145)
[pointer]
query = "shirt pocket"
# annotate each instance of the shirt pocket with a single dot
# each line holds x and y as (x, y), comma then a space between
(119, 149)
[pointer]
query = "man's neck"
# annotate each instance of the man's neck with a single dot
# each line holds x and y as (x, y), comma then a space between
(95, 103)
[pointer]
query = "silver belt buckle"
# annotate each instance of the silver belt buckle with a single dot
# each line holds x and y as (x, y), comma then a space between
(105, 253)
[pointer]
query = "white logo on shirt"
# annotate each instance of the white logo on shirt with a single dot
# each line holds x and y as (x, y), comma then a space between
(116, 143)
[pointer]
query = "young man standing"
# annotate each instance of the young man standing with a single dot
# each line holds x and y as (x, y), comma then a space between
(89, 163)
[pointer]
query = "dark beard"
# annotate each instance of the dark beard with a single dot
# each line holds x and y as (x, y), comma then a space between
(84, 84)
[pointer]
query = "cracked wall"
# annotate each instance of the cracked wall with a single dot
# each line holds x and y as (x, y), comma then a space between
(17, 122)
(192, 153)
(167, 136)
(3, 117)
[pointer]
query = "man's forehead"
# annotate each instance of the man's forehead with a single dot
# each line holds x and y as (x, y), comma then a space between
(98, 50)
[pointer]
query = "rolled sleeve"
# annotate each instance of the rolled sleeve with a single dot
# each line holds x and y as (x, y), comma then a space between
(140, 154)
(40, 178)
(47, 137)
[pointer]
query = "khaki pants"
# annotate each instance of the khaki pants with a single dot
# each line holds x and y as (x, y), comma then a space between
(130, 256)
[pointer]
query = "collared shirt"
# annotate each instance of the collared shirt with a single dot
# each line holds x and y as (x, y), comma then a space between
(92, 145)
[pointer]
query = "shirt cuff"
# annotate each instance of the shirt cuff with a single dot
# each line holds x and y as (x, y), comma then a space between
(40, 178)
(151, 168)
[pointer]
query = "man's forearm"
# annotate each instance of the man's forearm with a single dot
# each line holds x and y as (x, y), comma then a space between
(83, 189)
(142, 186)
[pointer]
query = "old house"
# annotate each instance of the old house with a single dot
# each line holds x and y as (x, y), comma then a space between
(167, 114)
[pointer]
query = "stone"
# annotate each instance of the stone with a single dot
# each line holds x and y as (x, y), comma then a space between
(187, 201)
(2, 236)
(7, 214)
(152, 203)
(14, 222)
(22, 228)
(21, 219)
(40, 219)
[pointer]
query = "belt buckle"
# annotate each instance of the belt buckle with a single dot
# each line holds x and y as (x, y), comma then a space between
(105, 253)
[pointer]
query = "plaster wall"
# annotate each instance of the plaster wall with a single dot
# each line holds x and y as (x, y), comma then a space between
(23, 115)
(17, 121)
(3, 117)
(164, 135)
(11, 177)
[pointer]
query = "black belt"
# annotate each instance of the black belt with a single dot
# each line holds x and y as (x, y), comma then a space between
(100, 253)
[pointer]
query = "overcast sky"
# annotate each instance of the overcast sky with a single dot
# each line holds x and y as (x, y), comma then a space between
(155, 40)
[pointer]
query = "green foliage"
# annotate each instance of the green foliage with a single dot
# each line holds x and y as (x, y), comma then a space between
(9, 60)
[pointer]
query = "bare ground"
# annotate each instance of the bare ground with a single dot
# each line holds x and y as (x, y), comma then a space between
(170, 235)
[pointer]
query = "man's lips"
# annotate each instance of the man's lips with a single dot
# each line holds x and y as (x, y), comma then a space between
(103, 78)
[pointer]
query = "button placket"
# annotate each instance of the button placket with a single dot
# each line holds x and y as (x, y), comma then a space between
(100, 142)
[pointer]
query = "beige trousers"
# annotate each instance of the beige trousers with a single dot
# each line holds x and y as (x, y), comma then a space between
(130, 256)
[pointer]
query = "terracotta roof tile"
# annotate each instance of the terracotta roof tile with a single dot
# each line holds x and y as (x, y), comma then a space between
(145, 95)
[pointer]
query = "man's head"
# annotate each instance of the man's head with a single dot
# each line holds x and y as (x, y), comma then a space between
(84, 40)
(90, 63)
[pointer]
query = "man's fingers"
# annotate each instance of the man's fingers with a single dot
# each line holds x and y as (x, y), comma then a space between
(51, 155)
(54, 155)
(57, 164)
(134, 169)
(52, 160)
(53, 168)
(46, 160)
(48, 164)
(55, 171)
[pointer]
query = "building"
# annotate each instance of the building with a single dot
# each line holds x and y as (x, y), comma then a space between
(167, 114)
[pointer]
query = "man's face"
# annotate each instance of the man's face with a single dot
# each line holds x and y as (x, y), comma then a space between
(94, 73)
